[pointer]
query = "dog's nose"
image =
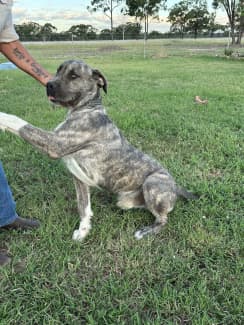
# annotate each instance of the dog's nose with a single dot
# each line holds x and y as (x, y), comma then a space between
(50, 88)
(49, 85)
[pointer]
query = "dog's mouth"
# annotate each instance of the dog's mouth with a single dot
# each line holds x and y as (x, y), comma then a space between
(69, 103)
(53, 94)
(52, 98)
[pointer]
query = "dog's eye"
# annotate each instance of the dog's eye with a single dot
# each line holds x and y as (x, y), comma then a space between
(74, 76)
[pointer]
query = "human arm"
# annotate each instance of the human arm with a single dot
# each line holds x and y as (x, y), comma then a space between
(19, 55)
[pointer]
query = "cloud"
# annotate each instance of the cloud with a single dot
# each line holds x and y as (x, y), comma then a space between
(43, 15)
(19, 13)
(221, 19)
(64, 19)
(61, 18)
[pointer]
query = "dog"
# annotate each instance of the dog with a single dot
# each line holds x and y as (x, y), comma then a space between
(95, 151)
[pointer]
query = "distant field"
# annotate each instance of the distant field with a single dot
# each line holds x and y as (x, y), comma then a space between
(131, 48)
(190, 273)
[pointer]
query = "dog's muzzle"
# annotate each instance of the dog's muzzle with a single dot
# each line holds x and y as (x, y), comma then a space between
(50, 87)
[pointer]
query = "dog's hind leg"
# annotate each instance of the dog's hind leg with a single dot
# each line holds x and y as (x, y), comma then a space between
(84, 208)
(160, 196)
(129, 200)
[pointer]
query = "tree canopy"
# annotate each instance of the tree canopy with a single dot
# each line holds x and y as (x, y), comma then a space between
(187, 17)
(143, 9)
(107, 7)
(231, 9)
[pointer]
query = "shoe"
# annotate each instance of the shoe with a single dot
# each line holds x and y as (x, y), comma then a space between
(4, 260)
(22, 224)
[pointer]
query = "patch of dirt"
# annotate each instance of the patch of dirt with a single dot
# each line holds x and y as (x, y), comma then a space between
(215, 173)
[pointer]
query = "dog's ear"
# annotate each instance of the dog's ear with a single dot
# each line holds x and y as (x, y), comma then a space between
(101, 81)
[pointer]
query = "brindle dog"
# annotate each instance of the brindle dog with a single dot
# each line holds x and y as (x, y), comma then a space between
(95, 151)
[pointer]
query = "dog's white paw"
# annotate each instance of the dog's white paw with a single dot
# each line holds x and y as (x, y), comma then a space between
(138, 234)
(11, 122)
(79, 235)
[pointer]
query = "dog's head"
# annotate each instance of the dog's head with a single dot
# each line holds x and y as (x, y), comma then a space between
(75, 84)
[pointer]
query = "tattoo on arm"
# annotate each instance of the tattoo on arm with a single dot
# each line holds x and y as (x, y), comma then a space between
(18, 54)
(34, 66)
(37, 70)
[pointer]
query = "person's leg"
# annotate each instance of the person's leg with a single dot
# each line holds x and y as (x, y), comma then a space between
(7, 203)
(8, 216)
(9, 219)
(7, 209)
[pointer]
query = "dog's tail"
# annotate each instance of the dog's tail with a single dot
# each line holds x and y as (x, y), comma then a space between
(185, 194)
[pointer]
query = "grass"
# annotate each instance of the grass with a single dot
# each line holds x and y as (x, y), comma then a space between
(190, 273)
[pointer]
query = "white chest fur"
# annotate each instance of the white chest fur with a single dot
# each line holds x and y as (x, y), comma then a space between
(75, 169)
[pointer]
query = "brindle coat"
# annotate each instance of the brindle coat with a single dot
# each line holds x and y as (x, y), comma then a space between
(95, 151)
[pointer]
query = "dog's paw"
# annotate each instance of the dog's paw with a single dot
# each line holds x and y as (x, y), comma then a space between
(11, 122)
(79, 235)
(139, 234)
(149, 230)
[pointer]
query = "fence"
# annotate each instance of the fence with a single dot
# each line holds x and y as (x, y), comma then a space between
(116, 36)
(159, 48)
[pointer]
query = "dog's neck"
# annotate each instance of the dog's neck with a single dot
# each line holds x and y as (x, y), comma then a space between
(92, 104)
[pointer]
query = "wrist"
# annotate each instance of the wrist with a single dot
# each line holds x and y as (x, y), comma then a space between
(44, 79)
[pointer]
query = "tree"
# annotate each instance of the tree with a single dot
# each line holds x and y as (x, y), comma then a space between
(155, 35)
(213, 26)
(108, 7)
(128, 31)
(82, 31)
(47, 30)
(198, 17)
(28, 31)
(240, 21)
(105, 34)
(178, 17)
(231, 8)
(143, 9)
(119, 32)
(133, 30)
(189, 15)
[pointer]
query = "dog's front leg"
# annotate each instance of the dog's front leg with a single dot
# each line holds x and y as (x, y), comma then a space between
(84, 208)
(11, 123)
(50, 143)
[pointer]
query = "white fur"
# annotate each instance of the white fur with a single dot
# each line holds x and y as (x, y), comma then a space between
(138, 234)
(85, 225)
(82, 232)
(11, 122)
(75, 169)
(60, 125)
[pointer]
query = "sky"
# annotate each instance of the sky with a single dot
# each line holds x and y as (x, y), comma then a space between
(63, 14)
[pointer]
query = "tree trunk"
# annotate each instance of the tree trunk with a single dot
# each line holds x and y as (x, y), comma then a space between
(111, 20)
(147, 25)
(195, 33)
(232, 33)
(239, 38)
(182, 32)
(145, 28)
(241, 29)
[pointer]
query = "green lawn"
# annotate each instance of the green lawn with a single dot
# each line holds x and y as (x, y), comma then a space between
(190, 273)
